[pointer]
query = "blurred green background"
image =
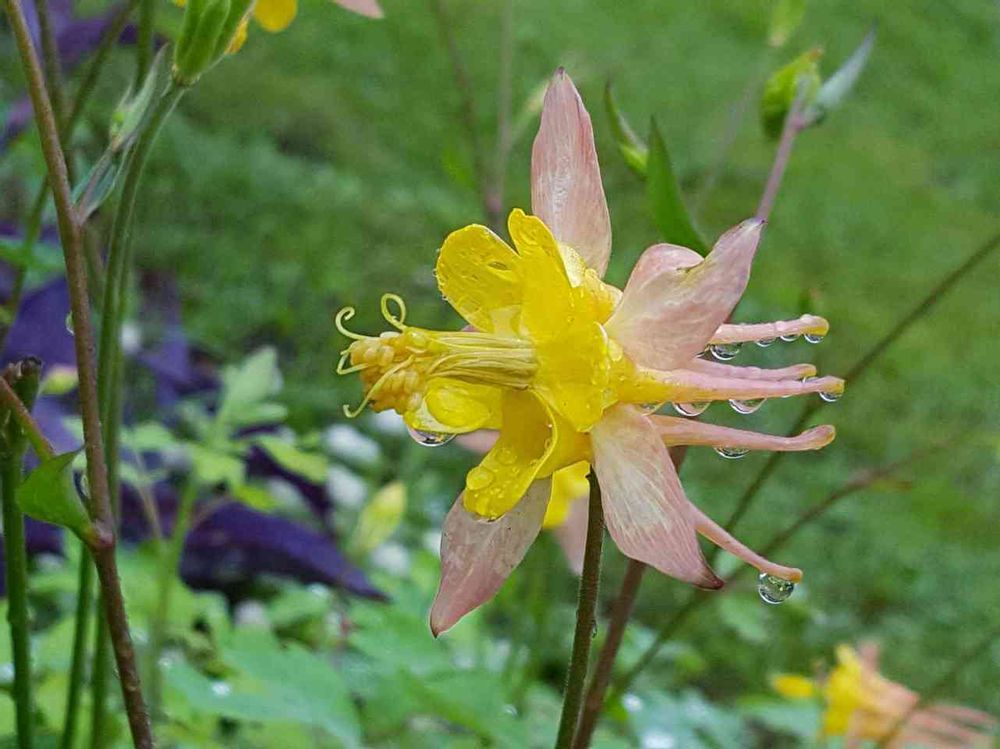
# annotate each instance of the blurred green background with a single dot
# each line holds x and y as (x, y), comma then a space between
(323, 166)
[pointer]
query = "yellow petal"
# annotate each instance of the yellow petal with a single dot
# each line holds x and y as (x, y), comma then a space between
(462, 405)
(568, 485)
(480, 276)
(275, 15)
(794, 686)
(505, 473)
(573, 373)
(547, 304)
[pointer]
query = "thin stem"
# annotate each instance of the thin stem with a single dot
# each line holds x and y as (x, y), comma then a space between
(29, 427)
(585, 618)
(168, 572)
(78, 665)
(621, 610)
(51, 64)
(99, 503)
(795, 123)
(969, 656)
(16, 557)
(467, 101)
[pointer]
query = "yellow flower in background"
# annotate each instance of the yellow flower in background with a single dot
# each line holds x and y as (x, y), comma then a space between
(861, 704)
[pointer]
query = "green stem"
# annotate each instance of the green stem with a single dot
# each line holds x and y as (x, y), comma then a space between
(17, 596)
(168, 573)
(585, 618)
(99, 502)
(110, 363)
(78, 665)
(51, 65)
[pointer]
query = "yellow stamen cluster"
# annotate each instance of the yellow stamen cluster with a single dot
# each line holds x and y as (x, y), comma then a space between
(392, 372)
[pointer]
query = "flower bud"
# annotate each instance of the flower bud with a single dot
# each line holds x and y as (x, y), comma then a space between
(210, 30)
(379, 519)
(783, 87)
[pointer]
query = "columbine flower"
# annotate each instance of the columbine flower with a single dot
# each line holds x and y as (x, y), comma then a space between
(567, 366)
(861, 704)
(276, 15)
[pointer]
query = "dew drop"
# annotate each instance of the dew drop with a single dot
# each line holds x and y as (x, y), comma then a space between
(479, 478)
(69, 323)
(765, 342)
(830, 397)
(746, 406)
(691, 409)
(791, 337)
(724, 351)
(813, 338)
(774, 590)
(732, 453)
(221, 689)
(429, 439)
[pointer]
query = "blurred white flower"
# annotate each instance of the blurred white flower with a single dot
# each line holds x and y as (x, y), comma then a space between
(347, 442)
(346, 487)
(392, 557)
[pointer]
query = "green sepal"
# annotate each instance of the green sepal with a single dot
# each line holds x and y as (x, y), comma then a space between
(634, 151)
(238, 10)
(199, 54)
(837, 87)
(782, 89)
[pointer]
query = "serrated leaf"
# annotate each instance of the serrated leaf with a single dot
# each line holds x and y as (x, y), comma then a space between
(833, 92)
(783, 88)
(634, 151)
(786, 17)
(664, 197)
(213, 466)
(48, 494)
(247, 386)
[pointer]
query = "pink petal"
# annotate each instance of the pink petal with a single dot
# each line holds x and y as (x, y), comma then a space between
(572, 534)
(645, 509)
(674, 430)
(369, 8)
(688, 386)
(477, 556)
(724, 540)
(717, 369)
(566, 189)
(481, 441)
(668, 314)
(740, 333)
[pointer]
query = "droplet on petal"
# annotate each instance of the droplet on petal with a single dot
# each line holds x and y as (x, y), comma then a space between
(732, 453)
(830, 397)
(813, 338)
(791, 337)
(724, 351)
(479, 478)
(691, 409)
(765, 342)
(746, 407)
(774, 590)
(429, 439)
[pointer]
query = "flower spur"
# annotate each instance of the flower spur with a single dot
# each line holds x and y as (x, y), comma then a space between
(565, 367)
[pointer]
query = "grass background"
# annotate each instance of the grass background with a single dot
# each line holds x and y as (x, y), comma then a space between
(323, 166)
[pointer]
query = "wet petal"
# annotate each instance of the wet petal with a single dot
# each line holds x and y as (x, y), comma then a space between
(794, 372)
(566, 189)
(369, 8)
(480, 276)
(275, 15)
(677, 431)
(724, 540)
(547, 303)
(668, 314)
(687, 386)
(526, 439)
(645, 509)
(477, 556)
(569, 485)
(742, 332)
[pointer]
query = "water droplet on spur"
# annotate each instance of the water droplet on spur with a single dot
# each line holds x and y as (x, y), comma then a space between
(732, 453)
(791, 337)
(429, 439)
(691, 409)
(774, 590)
(724, 351)
(479, 478)
(765, 342)
(813, 338)
(746, 407)
(830, 397)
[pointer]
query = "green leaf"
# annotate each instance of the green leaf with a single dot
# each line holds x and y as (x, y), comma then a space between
(246, 388)
(746, 617)
(48, 494)
(634, 151)
(800, 719)
(309, 465)
(664, 197)
(833, 92)
(786, 17)
(213, 466)
(782, 89)
(379, 518)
